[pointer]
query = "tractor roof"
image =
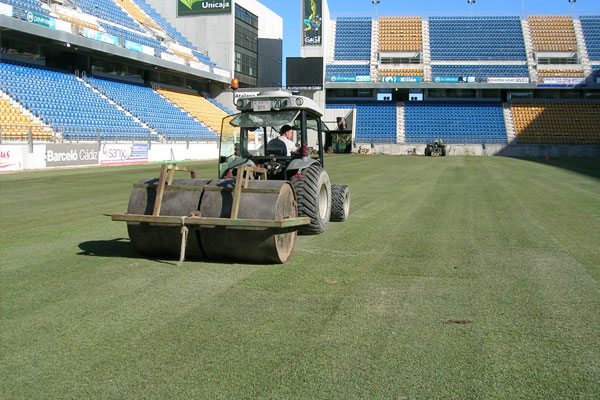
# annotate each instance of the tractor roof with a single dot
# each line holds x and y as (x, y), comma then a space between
(278, 100)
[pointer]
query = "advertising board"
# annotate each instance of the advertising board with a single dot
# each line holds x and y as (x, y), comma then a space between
(198, 7)
(68, 155)
(312, 31)
(11, 158)
(400, 79)
(565, 81)
(454, 79)
(6, 9)
(508, 80)
(113, 153)
(335, 78)
(99, 36)
(42, 20)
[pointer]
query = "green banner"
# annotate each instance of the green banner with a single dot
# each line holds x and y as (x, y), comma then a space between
(200, 7)
(41, 20)
(311, 18)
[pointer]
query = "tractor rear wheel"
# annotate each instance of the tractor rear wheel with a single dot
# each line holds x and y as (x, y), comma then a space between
(340, 203)
(313, 195)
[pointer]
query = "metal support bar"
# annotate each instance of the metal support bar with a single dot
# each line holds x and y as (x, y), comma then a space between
(160, 190)
(164, 180)
(206, 221)
(241, 182)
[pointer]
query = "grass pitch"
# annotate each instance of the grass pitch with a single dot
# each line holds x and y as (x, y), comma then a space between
(454, 278)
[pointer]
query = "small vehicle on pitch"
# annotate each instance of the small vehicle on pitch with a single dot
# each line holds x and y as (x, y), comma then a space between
(435, 149)
(262, 199)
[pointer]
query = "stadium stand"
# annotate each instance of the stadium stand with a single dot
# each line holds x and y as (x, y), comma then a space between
(198, 107)
(552, 33)
(79, 22)
(562, 73)
(109, 11)
(20, 7)
(219, 105)
(480, 71)
(376, 122)
(346, 71)
(156, 17)
(591, 33)
(16, 125)
(468, 122)
(204, 58)
(556, 122)
(67, 104)
(353, 38)
(400, 34)
(476, 38)
(400, 72)
(155, 111)
(133, 37)
(137, 13)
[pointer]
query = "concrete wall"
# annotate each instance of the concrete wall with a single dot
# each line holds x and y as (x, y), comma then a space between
(489, 150)
(16, 157)
(214, 33)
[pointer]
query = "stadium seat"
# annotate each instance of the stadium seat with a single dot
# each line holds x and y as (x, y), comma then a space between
(460, 122)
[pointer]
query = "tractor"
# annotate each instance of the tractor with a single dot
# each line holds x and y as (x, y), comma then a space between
(435, 149)
(262, 199)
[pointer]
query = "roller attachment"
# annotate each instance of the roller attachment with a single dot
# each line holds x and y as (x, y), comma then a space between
(238, 219)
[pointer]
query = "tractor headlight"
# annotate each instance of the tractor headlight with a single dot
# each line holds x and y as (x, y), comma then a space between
(299, 101)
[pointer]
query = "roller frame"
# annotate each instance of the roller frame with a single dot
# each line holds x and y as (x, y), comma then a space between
(244, 172)
(241, 185)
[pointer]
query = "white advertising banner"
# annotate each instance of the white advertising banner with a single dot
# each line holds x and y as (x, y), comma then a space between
(113, 153)
(222, 72)
(6, 9)
(180, 48)
(63, 26)
(200, 66)
(508, 80)
(172, 58)
(564, 81)
(11, 158)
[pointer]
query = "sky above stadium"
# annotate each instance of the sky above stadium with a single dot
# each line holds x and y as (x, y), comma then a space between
(289, 10)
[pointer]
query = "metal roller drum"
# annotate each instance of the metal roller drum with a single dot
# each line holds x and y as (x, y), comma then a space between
(164, 241)
(264, 200)
(261, 200)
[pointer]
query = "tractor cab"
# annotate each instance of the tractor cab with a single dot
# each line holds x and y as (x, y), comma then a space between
(250, 136)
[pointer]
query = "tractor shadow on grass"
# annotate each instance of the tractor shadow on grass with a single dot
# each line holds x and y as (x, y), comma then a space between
(117, 248)
(120, 247)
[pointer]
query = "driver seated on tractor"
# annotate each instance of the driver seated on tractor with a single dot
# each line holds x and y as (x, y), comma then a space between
(284, 141)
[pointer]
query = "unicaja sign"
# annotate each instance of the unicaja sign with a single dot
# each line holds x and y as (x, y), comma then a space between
(198, 7)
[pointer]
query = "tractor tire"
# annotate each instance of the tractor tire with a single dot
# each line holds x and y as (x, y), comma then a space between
(313, 195)
(340, 203)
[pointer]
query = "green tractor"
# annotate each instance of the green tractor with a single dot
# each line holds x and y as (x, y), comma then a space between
(436, 149)
(261, 200)
(250, 137)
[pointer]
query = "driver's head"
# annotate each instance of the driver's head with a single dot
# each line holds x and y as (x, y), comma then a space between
(286, 131)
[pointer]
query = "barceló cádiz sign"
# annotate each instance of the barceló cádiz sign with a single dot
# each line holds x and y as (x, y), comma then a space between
(201, 7)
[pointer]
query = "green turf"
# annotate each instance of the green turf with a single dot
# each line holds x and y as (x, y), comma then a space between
(365, 311)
